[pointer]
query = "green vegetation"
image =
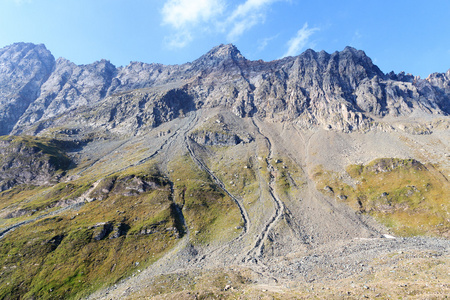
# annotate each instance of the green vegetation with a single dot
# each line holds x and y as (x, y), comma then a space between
(287, 176)
(214, 124)
(88, 233)
(51, 150)
(237, 173)
(73, 252)
(210, 214)
(407, 196)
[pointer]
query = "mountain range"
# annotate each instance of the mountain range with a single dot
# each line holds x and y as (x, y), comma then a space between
(309, 176)
(343, 90)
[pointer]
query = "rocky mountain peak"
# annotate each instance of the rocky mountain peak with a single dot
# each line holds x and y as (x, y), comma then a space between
(221, 53)
(24, 67)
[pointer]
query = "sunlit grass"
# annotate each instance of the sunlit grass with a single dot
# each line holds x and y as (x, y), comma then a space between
(405, 195)
(58, 256)
(210, 214)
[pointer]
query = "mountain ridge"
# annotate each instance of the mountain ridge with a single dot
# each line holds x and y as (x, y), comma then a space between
(344, 90)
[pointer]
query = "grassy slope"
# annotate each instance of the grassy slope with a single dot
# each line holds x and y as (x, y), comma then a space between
(211, 216)
(407, 196)
(50, 149)
(72, 252)
(59, 256)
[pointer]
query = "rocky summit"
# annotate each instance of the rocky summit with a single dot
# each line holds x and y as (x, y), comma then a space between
(306, 177)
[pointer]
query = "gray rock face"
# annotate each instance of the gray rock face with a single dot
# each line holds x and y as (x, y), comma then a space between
(343, 90)
(23, 70)
(69, 87)
(216, 138)
(27, 161)
(437, 87)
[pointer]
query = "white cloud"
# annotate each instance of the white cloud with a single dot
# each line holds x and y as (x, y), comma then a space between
(262, 44)
(182, 13)
(300, 40)
(245, 16)
(178, 40)
(188, 17)
(185, 16)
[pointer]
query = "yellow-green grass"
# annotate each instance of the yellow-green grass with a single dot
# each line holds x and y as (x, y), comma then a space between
(288, 177)
(50, 149)
(210, 214)
(213, 125)
(236, 172)
(33, 201)
(58, 256)
(404, 194)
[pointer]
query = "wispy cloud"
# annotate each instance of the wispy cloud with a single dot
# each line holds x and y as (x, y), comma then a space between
(246, 16)
(188, 17)
(262, 44)
(356, 39)
(300, 40)
(22, 1)
(183, 13)
(178, 40)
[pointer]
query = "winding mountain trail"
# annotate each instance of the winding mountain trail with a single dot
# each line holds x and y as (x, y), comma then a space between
(8, 229)
(78, 202)
(279, 205)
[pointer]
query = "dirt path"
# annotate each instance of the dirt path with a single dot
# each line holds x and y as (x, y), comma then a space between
(78, 202)
(279, 205)
(10, 228)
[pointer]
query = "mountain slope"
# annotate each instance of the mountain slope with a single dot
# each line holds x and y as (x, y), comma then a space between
(221, 176)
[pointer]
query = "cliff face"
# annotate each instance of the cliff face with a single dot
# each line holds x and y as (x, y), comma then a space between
(343, 90)
(24, 68)
(27, 160)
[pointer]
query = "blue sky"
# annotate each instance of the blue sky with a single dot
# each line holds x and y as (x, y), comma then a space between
(411, 36)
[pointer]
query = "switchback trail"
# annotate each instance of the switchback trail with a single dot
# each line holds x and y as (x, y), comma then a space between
(4, 231)
(78, 202)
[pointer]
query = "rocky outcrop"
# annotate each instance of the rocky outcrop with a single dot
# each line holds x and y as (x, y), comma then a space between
(437, 87)
(216, 138)
(127, 186)
(30, 161)
(69, 87)
(123, 114)
(343, 90)
(23, 70)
